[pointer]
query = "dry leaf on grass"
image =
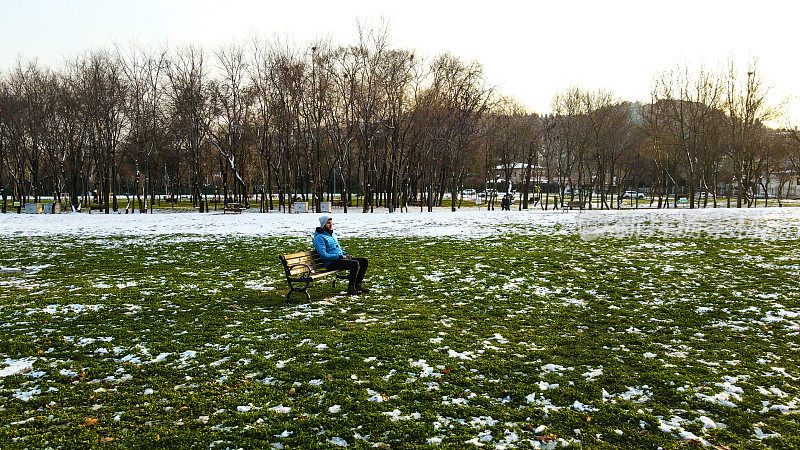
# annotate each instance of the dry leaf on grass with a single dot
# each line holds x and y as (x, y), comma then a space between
(546, 438)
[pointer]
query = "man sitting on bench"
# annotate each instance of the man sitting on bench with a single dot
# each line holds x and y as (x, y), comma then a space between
(334, 258)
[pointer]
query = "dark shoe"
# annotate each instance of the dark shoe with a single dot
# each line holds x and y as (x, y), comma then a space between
(353, 291)
(363, 289)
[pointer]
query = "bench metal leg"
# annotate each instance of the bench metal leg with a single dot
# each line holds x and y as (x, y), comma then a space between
(303, 284)
(293, 290)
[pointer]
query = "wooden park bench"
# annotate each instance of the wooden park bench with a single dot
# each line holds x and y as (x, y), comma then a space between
(235, 208)
(303, 268)
(573, 204)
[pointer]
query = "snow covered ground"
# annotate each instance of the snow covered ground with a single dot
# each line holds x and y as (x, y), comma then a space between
(662, 341)
(760, 223)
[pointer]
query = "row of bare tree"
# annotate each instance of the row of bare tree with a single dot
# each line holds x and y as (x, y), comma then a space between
(703, 134)
(268, 121)
(263, 118)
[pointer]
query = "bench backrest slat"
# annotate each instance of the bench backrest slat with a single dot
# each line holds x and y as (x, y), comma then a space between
(299, 255)
(310, 259)
(302, 259)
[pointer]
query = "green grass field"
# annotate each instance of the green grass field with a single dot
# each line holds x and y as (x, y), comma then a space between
(508, 341)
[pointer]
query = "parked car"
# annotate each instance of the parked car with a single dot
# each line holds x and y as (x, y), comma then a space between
(701, 195)
(488, 192)
(633, 194)
(468, 192)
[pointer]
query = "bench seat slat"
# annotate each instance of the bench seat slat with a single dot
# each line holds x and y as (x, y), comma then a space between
(301, 269)
(322, 274)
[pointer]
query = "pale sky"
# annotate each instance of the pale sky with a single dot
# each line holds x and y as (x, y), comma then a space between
(529, 50)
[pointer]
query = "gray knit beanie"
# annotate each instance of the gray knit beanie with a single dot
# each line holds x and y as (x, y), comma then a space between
(323, 220)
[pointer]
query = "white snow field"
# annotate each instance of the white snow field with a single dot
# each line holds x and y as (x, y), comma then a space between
(760, 223)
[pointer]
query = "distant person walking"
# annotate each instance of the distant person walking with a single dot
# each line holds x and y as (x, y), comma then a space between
(335, 258)
(505, 204)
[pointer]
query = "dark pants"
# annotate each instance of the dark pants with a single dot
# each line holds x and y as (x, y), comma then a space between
(356, 266)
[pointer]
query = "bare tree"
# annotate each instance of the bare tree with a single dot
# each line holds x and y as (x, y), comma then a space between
(144, 71)
(231, 107)
(570, 140)
(368, 103)
(464, 98)
(105, 93)
(190, 112)
(688, 104)
(747, 110)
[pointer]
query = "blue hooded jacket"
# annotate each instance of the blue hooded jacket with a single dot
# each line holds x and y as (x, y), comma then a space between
(327, 246)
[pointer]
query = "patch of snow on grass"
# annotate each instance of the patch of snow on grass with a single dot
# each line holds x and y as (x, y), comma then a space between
(15, 366)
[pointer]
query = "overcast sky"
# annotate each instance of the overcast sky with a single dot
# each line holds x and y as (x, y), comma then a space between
(530, 50)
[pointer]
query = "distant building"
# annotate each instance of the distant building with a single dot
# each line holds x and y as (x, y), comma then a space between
(790, 188)
(517, 173)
